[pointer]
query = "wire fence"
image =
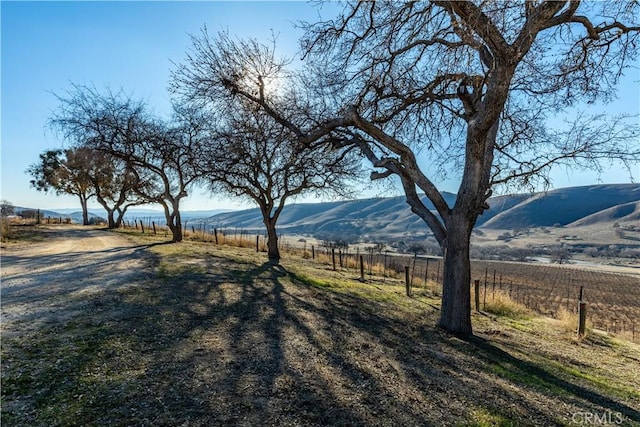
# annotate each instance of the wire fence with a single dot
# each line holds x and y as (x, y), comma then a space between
(613, 299)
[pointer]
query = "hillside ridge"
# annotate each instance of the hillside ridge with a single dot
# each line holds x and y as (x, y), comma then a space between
(392, 215)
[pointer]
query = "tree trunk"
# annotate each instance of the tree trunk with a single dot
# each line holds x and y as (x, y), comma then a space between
(110, 221)
(455, 314)
(176, 230)
(272, 241)
(173, 219)
(85, 210)
(120, 217)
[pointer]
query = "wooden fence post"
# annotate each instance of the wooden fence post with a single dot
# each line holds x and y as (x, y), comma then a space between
(484, 298)
(407, 280)
(361, 268)
(333, 258)
(154, 227)
(493, 289)
(384, 267)
(582, 314)
(215, 235)
(258, 243)
(313, 252)
(476, 284)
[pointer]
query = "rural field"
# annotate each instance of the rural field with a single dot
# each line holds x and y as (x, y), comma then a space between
(118, 328)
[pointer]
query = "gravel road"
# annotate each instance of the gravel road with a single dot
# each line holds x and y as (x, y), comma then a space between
(48, 281)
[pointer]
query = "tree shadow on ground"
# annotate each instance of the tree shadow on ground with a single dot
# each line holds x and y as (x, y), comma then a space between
(234, 343)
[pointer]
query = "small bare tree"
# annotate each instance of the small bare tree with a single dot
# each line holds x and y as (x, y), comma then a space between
(251, 155)
(114, 182)
(257, 149)
(6, 208)
(158, 155)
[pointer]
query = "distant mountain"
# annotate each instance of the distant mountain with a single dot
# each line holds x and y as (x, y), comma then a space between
(158, 215)
(44, 213)
(626, 212)
(564, 206)
(389, 215)
(131, 214)
(392, 217)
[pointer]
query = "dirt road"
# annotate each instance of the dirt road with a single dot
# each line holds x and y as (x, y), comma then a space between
(51, 280)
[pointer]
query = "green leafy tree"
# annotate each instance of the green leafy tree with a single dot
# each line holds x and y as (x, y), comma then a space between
(65, 172)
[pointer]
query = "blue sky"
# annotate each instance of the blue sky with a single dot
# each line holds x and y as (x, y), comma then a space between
(130, 45)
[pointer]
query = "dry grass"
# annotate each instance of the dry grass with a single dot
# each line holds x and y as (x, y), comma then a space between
(214, 335)
(6, 231)
(501, 304)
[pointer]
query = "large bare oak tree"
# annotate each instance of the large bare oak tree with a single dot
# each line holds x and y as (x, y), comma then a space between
(468, 86)
(472, 84)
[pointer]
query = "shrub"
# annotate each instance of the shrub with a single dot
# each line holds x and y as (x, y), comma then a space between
(7, 232)
(569, 321)
(502, 305)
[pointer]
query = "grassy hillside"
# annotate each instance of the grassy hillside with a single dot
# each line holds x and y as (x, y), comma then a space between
(626, 212)
(564, 206)
(213, 335)
(389, 218)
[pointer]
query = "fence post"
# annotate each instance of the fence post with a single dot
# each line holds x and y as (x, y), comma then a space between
(313, 252)
(333, 258)
(476, 285)
(154, 227)
(426, 274)
(340, 257)
(484, 298)
(142, 226)
(361, 269)
(215, 235)
(493, 290)
(407, 280)
(582, 314)
(258, 243)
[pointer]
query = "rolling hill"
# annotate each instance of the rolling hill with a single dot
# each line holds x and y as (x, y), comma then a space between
(564, 206)
(387, 217)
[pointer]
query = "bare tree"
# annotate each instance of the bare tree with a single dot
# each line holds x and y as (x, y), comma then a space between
(253, 156)
(159, 155)
(6, 208)
(114, 182)
(560, 254)
(65, 172)
(467, 85)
